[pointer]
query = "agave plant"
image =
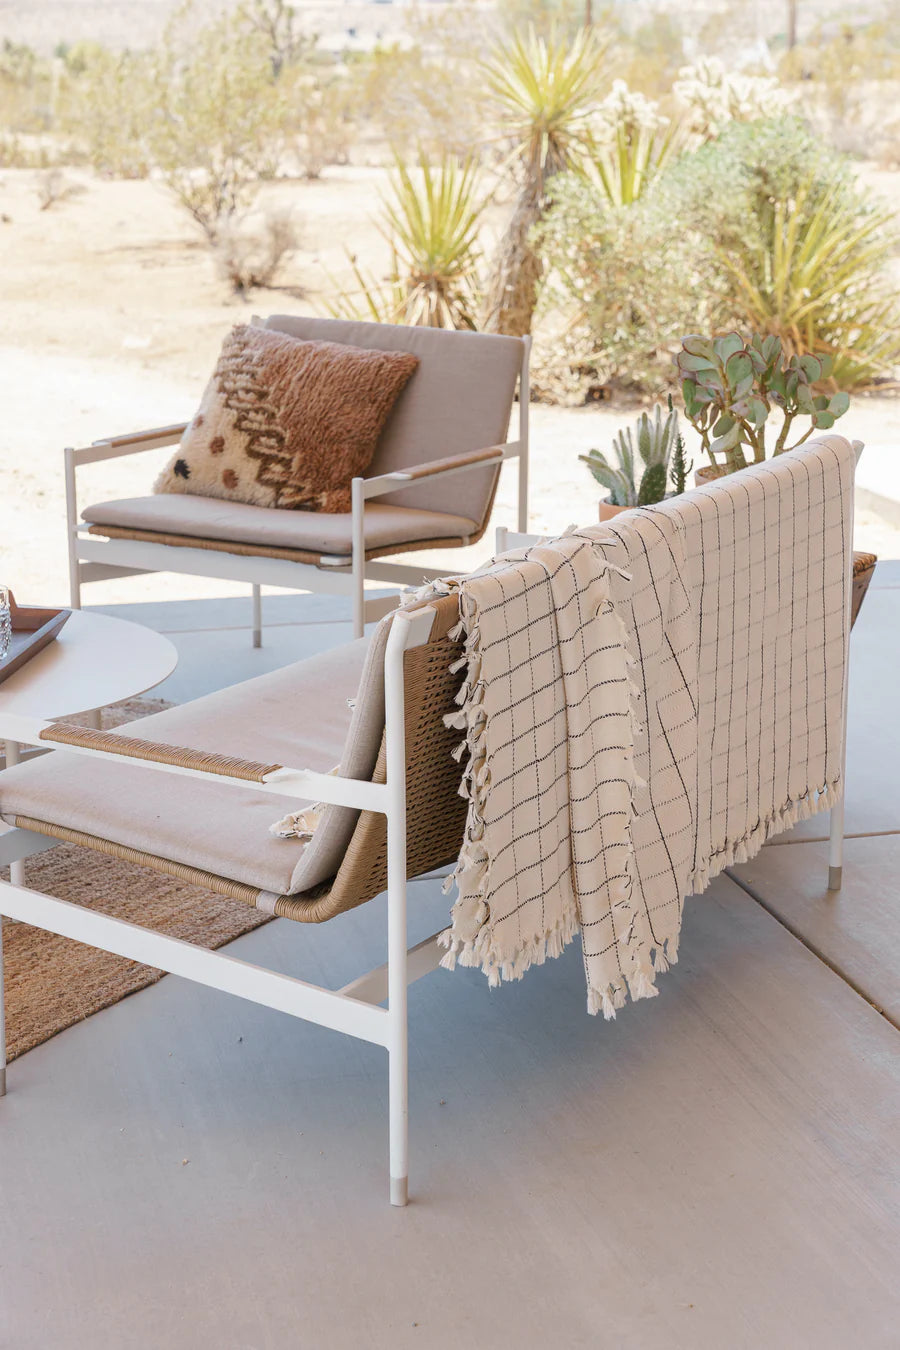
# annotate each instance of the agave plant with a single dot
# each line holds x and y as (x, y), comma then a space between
(544, 91)
(642, 453)
(430, 221)
(731, 385)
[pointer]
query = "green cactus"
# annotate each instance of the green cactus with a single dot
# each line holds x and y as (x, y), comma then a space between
(730, 385)
(680, 466)
(640, 449)
(653, 484)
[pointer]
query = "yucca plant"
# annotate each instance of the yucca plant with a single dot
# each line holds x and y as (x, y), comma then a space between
(640, 474)
(629, 145)
(816, 280)
(544, 90)
(430, 221)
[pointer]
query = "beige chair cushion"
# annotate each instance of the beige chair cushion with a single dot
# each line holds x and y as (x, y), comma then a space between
(286, 422)
(235, 522)
(298, 716)
(460, 398)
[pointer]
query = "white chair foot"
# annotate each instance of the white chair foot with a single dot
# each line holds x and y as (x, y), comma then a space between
(834, 878)
(399, 1190)
(257, 616)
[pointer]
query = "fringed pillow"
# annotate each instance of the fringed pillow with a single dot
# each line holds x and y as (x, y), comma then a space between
(285, 422)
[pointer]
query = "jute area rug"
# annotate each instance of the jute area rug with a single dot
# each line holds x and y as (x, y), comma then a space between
(52, 982)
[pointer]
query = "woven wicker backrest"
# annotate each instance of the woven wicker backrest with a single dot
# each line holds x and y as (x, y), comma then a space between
(436, 812)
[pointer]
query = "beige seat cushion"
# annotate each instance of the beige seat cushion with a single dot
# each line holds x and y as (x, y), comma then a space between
(287, 422)
(235, 522)
(297, 716)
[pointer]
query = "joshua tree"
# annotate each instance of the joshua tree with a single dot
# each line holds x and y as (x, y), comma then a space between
(544, 90)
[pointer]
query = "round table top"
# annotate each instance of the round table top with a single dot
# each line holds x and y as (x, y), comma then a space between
(93, 661)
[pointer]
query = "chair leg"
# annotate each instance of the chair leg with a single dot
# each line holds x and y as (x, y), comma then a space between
(257, 616)
(836, 847)
(398, 958)
(16, 868)
(398, 1047)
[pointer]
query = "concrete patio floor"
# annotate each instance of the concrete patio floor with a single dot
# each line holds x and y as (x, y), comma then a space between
(716, 1170)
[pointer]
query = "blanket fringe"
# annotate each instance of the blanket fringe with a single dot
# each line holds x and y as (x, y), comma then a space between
(743, 850)
(481, 952)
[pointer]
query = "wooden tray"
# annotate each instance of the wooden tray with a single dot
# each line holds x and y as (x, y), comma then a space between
(32, 630)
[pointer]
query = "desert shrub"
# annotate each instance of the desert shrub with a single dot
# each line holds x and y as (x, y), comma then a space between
(426, 93)
(218, 130)
(430, 219)
(106, 105)
(849, 84)
(52, 186)
(277, 23)
(251, 257)
(623, 284)
(648, 54)
(27, 95)
(320, 118)
(797, 247)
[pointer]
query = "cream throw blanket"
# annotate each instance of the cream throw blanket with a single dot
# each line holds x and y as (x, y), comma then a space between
(645, 703)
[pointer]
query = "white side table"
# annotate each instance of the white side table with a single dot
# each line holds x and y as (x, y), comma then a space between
(94, 661)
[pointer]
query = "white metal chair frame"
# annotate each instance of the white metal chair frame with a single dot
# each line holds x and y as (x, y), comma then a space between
(353, 1009)
(94, 559)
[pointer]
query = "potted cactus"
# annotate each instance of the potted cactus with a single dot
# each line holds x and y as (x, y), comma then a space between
(731, 385)
(640, 474)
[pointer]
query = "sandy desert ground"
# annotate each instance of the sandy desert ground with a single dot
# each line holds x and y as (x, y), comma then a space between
(111, 314)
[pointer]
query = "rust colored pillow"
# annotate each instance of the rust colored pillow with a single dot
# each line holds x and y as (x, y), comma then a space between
(285, 422)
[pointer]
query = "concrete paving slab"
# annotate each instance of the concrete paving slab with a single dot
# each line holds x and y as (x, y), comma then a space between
(715, 1169)
(856, 929)
(873, 745)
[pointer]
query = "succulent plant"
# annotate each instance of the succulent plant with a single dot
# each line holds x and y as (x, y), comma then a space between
(680, 466)
(730, 385)
(642, 453)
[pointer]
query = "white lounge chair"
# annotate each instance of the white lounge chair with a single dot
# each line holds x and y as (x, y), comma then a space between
(431, 484)
(195, 795)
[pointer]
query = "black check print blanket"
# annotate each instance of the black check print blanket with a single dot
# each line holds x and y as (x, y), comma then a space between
(644, 703)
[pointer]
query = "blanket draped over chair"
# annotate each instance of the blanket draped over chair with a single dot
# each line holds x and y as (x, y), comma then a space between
(645, 703)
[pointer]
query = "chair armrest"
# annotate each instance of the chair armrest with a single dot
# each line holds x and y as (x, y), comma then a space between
(302, 784)
(435, 468)
(173, 432)
(492, 454)
(132, 443)
(226, 766)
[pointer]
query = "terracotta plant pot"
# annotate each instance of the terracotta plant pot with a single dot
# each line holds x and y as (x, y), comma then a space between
(606, 510)
(707, 473)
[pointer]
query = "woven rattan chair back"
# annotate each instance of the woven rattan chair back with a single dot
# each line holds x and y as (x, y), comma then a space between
(435, 811)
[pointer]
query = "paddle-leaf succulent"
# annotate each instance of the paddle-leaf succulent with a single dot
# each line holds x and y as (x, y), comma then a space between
(731, 384)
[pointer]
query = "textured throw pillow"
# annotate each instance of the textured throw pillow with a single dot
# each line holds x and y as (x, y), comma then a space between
(285, 422)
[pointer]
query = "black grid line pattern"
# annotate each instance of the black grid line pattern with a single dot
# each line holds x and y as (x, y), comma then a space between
(759, 571)
(548, 711)
(645, 703)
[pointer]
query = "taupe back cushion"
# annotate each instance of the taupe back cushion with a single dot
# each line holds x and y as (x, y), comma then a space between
(460, 398)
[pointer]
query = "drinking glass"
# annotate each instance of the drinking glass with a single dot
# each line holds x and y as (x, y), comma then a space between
(5, 622)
